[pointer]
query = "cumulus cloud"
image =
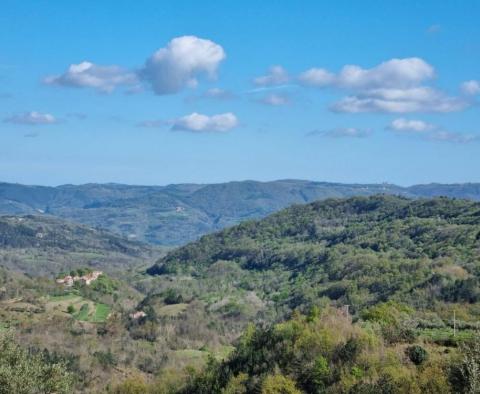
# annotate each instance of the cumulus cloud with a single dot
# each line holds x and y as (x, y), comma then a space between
(410, 125)
(89, 75)
(276, 75)
(167, 71)
(317, 77)
(429, 131)
(471, 87)
(181, 63)
(199, 123)
(275, 100)
(342, 132)
(394, 73)
(32, 118)
(393, 86)
(416, 99)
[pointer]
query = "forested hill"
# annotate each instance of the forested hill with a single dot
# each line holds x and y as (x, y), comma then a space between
(360, 250)
(41, 245)
(176, 214)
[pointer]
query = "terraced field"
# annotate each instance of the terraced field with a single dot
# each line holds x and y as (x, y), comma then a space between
(80, 308)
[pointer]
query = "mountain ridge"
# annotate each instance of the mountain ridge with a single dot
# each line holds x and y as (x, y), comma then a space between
(175, 214)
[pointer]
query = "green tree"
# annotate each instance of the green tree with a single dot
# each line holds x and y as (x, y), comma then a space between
(279, 384)
(24, 373)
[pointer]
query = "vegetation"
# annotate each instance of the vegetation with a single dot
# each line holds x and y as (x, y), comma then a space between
(42, 245)
(176, 214)
(340, 296)
(320, 353)
(359, 251)
(24, 373)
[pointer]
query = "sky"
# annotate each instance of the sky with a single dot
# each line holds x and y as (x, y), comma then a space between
(149, 92)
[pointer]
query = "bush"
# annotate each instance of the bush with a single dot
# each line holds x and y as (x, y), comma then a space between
(417, 354)
(172, 296)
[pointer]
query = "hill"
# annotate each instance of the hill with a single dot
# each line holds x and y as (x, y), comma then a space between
(358, 251)
(177, 214)
(374, 294)
(44, 245)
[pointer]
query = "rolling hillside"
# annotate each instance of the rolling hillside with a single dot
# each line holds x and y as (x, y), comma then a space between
(356, 251)
(177, 214)
(44, 245)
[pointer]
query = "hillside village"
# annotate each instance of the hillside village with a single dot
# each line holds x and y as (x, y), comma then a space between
(88, 278)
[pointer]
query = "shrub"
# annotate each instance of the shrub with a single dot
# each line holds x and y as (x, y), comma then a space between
(172, 296)
(417, 354)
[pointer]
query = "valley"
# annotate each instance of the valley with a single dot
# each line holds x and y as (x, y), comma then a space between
(391, 274)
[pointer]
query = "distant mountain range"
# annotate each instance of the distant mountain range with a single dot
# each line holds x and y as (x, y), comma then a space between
(176, 214)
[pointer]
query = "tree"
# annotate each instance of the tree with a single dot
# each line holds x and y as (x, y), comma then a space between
(416, 354)
(279, 384)
(24, 373)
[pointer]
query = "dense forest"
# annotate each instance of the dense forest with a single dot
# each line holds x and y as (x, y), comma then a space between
(358, 251)
(374, 294)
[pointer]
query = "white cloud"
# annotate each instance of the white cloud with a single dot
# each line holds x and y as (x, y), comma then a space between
(415, 99)
(447, 136)
(343, 132)
(32, 118)
(317, 77)
(198, 123)
(276, 75)
(275, 100)
(394, 73)
(410, 125)
(167, 71)
(471, 87)
(89, 75)
(429, 131)
(180, 63)
(392, 86)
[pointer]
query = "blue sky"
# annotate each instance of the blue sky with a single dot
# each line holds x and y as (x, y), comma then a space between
(153, 92)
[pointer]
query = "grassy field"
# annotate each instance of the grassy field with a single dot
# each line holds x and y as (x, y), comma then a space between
(84, 310)
(446, 334)
(171, 310)
(101, 313)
